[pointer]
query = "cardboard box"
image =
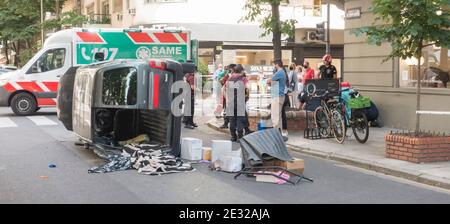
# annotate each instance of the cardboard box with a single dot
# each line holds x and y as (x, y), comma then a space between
(191, 149)
(297, 166)
(207, 153)
(269, 162)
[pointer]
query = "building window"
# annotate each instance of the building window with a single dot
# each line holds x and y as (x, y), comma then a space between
(120, 87)
(434, 69)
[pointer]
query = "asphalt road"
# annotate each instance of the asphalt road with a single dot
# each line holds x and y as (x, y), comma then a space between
(29, 144)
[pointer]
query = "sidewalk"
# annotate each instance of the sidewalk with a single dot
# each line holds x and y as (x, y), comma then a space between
(369, 156)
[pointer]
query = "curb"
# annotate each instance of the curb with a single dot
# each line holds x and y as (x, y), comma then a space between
(373, 167)
(417, 177)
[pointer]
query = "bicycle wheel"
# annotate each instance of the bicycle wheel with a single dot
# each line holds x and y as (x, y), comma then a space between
(322, 122)
(338, 126)
(360, 126)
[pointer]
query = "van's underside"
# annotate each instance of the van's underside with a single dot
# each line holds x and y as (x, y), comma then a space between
(114, 125)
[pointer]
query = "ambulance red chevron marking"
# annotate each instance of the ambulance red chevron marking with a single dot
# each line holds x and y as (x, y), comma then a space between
(151, 38)
(90, 37)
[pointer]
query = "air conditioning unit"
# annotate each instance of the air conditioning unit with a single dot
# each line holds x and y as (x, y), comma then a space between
(132, 12)
(311, 36)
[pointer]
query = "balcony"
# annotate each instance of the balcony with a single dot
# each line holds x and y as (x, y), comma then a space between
(99, 19)
(308, 10)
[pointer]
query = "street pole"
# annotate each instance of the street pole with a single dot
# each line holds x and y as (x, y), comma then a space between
(328, 29)
(42, 22)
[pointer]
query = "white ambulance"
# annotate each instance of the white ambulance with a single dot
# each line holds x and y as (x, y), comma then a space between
(35, 85)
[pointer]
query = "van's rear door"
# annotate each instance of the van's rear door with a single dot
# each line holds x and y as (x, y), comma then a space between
(162, 77)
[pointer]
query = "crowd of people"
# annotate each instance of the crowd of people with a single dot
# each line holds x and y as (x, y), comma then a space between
(286, 88)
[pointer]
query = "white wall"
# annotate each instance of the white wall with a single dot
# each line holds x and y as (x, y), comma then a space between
(225, 12)
(192, 11)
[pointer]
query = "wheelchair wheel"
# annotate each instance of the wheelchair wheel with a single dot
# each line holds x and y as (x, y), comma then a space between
(360, 126)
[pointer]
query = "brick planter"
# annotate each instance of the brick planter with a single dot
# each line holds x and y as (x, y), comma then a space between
(296, 120)
(418, 149)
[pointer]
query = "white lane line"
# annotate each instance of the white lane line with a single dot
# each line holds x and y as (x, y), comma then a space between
(41, 120)
(6, 122)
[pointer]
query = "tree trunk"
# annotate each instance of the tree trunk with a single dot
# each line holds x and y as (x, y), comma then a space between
(18, 54)
(14, 47)
(419, 87)
(6, 46)
(277, 53)
(57, 7)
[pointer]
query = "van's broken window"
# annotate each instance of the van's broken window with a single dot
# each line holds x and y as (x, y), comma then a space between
(120, 87)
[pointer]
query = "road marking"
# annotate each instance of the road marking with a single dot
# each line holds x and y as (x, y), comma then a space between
(41, 120)
(6, 122)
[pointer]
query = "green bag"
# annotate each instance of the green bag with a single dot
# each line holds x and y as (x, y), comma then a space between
(359, 102)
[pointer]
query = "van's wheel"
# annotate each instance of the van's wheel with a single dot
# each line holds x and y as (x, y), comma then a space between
(23, 104)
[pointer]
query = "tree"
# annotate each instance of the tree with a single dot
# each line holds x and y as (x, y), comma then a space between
(71, 18)
(267, 12)
(410, 26)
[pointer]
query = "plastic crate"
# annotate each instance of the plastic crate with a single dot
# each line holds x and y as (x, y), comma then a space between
(359, 103)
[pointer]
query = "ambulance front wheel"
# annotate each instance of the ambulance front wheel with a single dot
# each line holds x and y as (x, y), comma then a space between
(23, 104)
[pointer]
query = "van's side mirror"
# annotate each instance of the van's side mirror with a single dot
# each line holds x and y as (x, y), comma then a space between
(99, 56)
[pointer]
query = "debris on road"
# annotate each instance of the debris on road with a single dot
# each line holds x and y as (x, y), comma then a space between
(145, 158)
(51, 166)
(44, 177)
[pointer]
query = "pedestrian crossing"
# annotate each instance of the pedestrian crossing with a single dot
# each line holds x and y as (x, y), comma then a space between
(6, 122)
(15, 122)
(41, 121)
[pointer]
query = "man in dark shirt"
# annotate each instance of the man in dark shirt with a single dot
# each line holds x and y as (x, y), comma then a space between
(327, 71)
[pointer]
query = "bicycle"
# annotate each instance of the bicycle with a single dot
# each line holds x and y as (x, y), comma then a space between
(329, 119)
(358, 120)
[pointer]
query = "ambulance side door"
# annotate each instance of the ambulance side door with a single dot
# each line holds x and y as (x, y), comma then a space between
(49, 67)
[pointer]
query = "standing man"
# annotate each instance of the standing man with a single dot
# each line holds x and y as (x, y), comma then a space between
(237, 90)
(327, 70)
(190, 79)
(309, 73)
(278, 86)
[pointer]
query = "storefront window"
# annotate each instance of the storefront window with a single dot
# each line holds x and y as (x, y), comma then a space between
(435, 69)
(206, 55)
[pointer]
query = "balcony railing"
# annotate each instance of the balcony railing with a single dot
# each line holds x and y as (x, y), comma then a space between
(100, 19)
(308, 10)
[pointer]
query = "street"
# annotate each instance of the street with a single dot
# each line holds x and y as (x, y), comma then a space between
(30, 144)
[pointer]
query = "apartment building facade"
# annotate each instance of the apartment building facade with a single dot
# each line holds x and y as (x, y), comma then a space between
(392, 84)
